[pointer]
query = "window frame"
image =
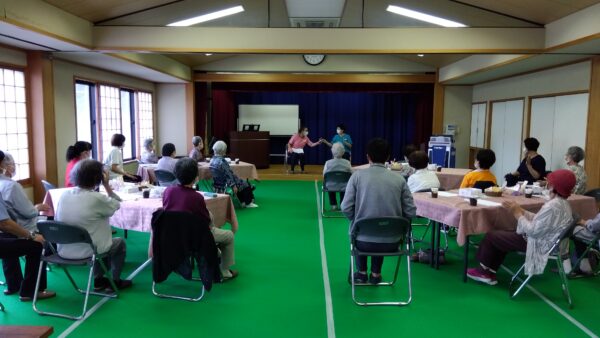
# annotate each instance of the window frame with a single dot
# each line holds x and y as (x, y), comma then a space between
(97, 129)
(27, 182)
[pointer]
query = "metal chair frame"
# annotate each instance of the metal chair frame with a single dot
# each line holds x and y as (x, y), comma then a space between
(382, 227)
(52, 231)
(595, 242)
(336, 177)
(554, 254)
(189, 299)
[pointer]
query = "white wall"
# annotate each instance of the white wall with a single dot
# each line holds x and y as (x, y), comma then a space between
(65, 74)
(457, 110)
(171, 117)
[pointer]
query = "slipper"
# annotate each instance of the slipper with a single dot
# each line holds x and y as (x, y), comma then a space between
(234, 274)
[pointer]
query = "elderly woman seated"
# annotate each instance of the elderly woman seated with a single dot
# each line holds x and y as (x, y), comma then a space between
(573, 156)
(92, 213)
(337, 163)
(148, 155)
(168, 160)
(18, 240)
(184, 198)
(196, 153)
(421, 179)
(223, 177)
(583, 234)
(535, 233)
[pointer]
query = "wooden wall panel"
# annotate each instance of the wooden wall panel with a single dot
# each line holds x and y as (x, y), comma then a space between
(592, 144)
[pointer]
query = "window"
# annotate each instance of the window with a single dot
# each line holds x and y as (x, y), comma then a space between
(115, 112)
(145, 116)
(13, 120)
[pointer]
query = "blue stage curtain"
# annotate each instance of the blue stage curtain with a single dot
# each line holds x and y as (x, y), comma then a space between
(400, 118)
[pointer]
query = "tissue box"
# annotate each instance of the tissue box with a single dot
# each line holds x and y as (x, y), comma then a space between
(470, 192)
(129, 189)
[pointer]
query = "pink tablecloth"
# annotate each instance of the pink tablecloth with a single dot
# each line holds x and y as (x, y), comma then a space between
(456, 211)
(450, 178)
(242, 170)
(137, 214)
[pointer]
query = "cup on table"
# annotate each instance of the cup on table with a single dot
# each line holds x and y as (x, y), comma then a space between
(434, 192)
(473, 202)
(146, 193)
(439, 169)
(237, 161)
(528, 192)
(207, 159)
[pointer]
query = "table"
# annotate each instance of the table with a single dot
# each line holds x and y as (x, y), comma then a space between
(25, 331)
(455, 211)
(450, 178)
(243, 170)
(136, 212)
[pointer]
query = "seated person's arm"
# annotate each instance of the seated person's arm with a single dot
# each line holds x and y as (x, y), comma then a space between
(9, 226)
(538, 225)
(347, 204)
(409, 210)
(593, 225)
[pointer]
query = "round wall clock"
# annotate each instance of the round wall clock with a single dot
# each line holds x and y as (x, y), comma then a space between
(314, 59)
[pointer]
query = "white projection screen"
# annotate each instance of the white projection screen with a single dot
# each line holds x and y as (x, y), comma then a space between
(278, 119)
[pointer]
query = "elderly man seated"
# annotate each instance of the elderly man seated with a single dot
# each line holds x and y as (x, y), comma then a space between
(223, 177)
(337, 163)
(84, 207)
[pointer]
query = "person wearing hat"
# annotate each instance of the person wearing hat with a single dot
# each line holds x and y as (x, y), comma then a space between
(535, 233)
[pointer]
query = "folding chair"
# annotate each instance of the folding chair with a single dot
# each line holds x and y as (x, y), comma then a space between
(173, 221)
(61, 233)
(593, 245)
(165, 178)
(554, 254)
(382, 230)
(1, 307)
(484, 185)
(333, 178)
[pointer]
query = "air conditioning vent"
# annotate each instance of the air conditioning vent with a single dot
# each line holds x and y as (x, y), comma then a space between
(314, 22)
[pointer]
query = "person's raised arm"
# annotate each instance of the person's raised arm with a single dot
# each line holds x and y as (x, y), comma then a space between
(329, 144)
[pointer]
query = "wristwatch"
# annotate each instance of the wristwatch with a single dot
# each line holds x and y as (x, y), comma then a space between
(32, 235)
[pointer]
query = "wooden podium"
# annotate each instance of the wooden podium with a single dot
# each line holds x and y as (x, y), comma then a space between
(250, 146)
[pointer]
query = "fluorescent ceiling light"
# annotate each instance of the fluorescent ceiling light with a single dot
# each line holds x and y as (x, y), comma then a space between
(208, 54)
(207, 17)
(424, 17)
(420, 55)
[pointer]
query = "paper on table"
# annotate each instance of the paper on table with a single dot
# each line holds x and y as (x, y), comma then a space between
(446, 194)
(129, 197)
(486, 203)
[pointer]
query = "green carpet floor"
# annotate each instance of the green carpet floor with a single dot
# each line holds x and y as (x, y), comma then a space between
(280, 291)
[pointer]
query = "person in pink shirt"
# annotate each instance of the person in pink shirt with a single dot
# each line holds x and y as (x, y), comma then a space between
(81, 150)
(296, 146)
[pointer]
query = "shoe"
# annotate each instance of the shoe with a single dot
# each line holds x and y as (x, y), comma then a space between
(41, 295)
(8, 292)
(375, 280)
(101, 283)
(360, 277)
(230, 274)
(121, 284)
(483, 276)
(302, 172)
(575, 274)
(113, 231)
(334, 208)
(251, 205)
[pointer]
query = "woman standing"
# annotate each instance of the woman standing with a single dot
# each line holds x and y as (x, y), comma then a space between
(296, 146)
(343, 138)
(114, 160)
(81, 150)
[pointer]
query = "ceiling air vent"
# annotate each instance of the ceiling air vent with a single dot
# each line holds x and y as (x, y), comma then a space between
(314, 22)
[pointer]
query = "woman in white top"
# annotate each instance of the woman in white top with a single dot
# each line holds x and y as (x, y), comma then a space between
(167, 161)
(114, 160)
(337, 163)
(535, 233)
(421, 179)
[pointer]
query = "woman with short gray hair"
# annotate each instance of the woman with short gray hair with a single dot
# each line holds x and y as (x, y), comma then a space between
(337, 163)
(223, 177)
(573, 156)
(196, 153)
(148, 155)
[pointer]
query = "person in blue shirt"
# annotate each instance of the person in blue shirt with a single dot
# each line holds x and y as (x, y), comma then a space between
(342, 138)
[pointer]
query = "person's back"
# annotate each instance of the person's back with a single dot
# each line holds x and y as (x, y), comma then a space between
(92, 213)
(185, 199)
(484, 160)
(421, 179)
(336, 164)
(166, 163)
